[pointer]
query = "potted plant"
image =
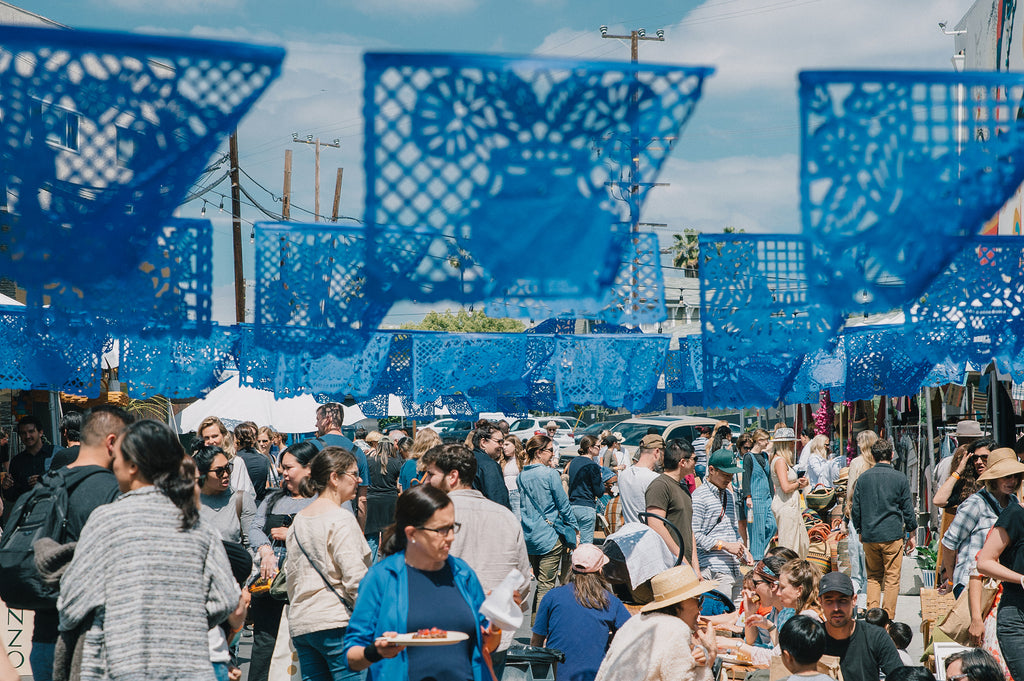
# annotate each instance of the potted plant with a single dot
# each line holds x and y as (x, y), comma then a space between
(927, 559)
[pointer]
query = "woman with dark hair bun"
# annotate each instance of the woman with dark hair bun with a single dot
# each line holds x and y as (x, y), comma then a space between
(327, 558)
(267, 533)
(419, 586)
(149, 578)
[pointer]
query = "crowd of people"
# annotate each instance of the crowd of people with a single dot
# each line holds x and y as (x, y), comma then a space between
(332, 551)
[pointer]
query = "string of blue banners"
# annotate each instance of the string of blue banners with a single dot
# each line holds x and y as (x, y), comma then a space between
(462, 151)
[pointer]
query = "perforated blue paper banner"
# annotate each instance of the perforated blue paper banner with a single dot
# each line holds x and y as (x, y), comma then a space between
(757, 319)
(974, 310)
(617, 371)
(181, 366)
(897, 169)
(463, 150)
(450, 363)
(637, 296)
(102, 136)
(823, 369)
(37, 358)
(311, 288)
(880, 362)
(170, 291)
(289, 373)
(684, 369)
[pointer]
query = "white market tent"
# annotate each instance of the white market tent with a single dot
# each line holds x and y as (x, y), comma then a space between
(234, 403)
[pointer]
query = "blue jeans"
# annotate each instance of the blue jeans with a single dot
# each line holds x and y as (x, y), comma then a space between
(220, 671)
(1010, 632)
(513, 501)
(374, 541)
(41, 660)
(858, 571)
(585, 518)
(321, 656)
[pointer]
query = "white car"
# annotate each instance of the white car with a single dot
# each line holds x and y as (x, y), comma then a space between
(440, 424)
(524, 429)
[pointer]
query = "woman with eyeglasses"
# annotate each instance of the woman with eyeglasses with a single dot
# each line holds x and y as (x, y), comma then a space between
(228, 510)
(419, 586)
(549, 524)
(326, 560)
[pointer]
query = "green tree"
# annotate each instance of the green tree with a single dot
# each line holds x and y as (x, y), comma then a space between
(466, 322)
(685, 248)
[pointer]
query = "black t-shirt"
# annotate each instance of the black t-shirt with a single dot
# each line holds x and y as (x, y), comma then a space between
(585, 484)
(1012, 520)
(868, 650)
(435, 601)
(63, 457)
(258, 467)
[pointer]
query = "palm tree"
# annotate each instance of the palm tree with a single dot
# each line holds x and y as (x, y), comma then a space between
(686, 249)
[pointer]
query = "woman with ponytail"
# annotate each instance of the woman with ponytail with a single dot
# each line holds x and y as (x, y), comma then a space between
(149, 578)
(327, 558)
(419, 586)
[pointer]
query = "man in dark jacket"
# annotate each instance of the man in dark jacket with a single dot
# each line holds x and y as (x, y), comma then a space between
(883, 514)
(487, 442)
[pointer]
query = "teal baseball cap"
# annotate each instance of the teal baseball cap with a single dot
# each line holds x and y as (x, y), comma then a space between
(724, 460)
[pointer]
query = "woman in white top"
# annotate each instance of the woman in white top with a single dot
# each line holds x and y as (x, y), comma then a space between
(818, 469)
(513, 458)
(327, 557)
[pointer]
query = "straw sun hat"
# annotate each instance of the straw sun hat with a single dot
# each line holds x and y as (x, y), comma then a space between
(675, 585)
(1001, 463)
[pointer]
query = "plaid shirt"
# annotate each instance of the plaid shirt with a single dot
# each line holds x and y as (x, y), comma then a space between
(966, 535)
(708, 530)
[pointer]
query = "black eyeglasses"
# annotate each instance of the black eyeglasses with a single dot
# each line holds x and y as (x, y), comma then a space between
(497, 441)
(443, 531)
(700, 600)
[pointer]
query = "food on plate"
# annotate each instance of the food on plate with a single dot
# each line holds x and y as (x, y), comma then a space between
(433, 632)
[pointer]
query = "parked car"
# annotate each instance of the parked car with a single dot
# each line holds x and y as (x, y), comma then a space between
(524, 429)
(456, 432)
(669, 427)
(441, 425)
(594, 429)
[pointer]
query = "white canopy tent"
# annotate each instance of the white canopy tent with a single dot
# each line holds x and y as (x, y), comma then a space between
(234, 403)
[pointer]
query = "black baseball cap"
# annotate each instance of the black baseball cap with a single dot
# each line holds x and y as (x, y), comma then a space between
(835, 581)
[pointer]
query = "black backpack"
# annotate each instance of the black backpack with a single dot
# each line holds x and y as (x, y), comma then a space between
(40, 512)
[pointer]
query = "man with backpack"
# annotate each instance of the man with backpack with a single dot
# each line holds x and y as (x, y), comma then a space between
(81, 487)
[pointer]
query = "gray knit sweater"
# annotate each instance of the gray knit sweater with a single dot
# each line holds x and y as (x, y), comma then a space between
(155, 590)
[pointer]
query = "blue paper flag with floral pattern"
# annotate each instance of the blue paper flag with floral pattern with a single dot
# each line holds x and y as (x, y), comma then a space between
(897, 170)
(33, 357)
(311, 288)
(974, 310)
(180, 366)
(102, 136)
(464, 150)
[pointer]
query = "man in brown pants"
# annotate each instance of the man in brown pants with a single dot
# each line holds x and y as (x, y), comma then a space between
(883, 516)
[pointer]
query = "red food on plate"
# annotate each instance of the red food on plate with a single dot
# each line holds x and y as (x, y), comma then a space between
(433, 632)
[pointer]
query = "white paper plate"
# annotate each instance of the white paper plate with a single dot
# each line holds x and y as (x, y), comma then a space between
(408, 640)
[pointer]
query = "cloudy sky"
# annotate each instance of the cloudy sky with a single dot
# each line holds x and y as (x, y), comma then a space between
(735, 165)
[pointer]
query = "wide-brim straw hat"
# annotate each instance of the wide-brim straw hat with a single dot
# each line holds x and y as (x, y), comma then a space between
(1001, 463)
(968, 428)
(675, 585)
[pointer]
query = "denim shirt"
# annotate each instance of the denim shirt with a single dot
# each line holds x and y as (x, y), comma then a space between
(383, 605)
(542, 499)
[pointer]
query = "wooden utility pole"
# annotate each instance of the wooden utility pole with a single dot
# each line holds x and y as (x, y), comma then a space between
(316, 180)
(337, 196)
(236, 229)
(286, 197)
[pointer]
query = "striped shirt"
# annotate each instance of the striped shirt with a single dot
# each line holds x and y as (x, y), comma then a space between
(714, 520)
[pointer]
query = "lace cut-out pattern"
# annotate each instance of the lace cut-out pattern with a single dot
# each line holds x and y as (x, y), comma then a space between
(102, 136)
(897, 170)
(39, 358)
(462, 150)
(179, 366)
(311, 288)
(974, 310)
(450, 363)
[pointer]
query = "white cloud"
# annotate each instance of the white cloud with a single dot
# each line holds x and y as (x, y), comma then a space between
(755, 194)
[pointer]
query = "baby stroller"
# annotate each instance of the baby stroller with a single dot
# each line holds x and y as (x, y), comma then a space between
(636, 553)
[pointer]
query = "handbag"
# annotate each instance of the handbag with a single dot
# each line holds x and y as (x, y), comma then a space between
(958, 620)
(279, 585)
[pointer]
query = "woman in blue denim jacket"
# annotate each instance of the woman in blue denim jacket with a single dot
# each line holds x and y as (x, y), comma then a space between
(549, 524)
(418, 586)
